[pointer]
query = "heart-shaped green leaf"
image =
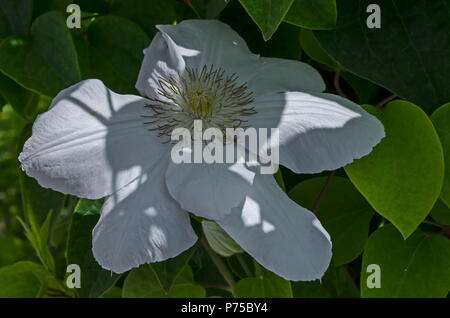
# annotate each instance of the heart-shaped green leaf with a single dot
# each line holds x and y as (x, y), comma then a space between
(408, 54)
(22, 100)
(266, 285)
(143, 282)
(46, 61)
(441, 121)
(343, 212)
(95, 280)
(313, 49)
(169, 270)
(313, 14)
(416, 267)
(402, 177)
(25, 280)
(267, 14)
(112, 52)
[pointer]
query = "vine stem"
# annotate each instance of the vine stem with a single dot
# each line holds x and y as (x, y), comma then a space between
(434, 223)
(244, 265)
(385, 101)
(323, 191)
(337, 84)
(226, 274)
(189, 4)
(258, 271)
(445, 229)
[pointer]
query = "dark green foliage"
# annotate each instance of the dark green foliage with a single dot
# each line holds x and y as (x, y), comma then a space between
(390, 208)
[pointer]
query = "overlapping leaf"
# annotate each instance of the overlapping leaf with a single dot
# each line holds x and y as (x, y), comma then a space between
(409, 53)
(402, 177)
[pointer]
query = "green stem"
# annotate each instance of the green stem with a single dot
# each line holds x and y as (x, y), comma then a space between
(323, 191)
(244, 265)
(385, 101)
(442, 226)
(337, 84)
(258, 271)
(219, 264)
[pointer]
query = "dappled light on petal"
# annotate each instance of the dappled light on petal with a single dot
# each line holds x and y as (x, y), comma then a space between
(141, 224)
(281, 235)
(91, 142)
(316, 131)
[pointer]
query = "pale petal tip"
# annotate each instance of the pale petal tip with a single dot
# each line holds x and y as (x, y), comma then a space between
(122, 268)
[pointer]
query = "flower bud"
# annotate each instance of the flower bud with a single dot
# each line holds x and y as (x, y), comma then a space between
(219, 241)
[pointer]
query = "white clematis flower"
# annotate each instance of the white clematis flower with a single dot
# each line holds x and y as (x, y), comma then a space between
(94, 143)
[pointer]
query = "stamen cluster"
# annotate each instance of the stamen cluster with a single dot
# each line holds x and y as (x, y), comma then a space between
(205, 94)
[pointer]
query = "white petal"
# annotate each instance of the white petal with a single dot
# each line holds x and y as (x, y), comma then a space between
(317, 131)
(209, 190)
(161, 59)
(140, 224)
(91, 142)
(281, 235)
(280, 75)
(211, 43)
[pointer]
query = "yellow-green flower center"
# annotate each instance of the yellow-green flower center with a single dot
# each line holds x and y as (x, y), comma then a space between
(205, 94)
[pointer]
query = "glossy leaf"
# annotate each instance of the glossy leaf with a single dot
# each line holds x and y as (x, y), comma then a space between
(310, 290)
(105, 52)
(313, 14)
(416, 267)
(25, 280)
(94, 279)
(89, 207)
(312, 48)
(343, 212)
(113, 292)
(169, 270)
(267, 284)
(13, 249)
(336, 283)
(340, 283)
(441, 121)
(408, 55)
(45, 61)
(402, 177)
(267, 14)
(22, 100)
(142, 282)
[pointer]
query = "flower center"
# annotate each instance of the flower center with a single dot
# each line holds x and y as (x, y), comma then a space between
(200, 94)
